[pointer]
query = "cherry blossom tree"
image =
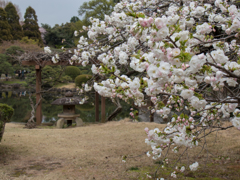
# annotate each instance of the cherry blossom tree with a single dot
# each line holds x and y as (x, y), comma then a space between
(182, 55)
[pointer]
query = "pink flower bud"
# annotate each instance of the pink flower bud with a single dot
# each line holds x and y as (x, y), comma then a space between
(150, 20)
(213, 79)
(146, 130)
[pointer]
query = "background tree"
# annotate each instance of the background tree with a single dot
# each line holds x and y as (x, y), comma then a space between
(5, 66)
(4, 3)
(60, 35)
(46, 26)
(30, 27)
(11, 52)
(13, 21)
(74, 19)
(96, 9)
(51, 75)
(5, 28)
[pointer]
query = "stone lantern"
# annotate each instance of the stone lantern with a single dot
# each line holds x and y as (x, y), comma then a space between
(68, 115)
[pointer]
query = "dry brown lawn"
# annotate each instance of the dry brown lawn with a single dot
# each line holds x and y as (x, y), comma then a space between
(88, 152)
(95, 152)
(69, 86)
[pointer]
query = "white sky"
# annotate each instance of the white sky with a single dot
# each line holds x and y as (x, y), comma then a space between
(51, 11)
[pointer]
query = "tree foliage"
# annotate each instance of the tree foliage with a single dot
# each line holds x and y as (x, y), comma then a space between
(51, 75)
(30, 27)
(13, 51)
(60, 35)
(5, 66)
(13, 21)
(96, 9)
(74, 19)
(5, 28)
(4, 3)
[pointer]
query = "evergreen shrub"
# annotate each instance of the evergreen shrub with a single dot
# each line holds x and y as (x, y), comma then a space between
(82, 79)
(72, 71)
(6, 113)
(14, 50)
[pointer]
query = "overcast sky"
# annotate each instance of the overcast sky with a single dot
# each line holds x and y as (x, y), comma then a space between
(51, 11)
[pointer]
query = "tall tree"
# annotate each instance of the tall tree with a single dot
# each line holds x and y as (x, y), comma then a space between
(13, 21)
(5, 28)
(96, 9)
(30, 27)
(4, 3)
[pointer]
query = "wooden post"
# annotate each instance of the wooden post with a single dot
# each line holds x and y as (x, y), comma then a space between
(96, 107)
(103, 109)
(151, 114)
(38, 94)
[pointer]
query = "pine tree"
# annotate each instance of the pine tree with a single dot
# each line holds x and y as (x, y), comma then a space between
(13, 21)
(30, 27)
(5, 28)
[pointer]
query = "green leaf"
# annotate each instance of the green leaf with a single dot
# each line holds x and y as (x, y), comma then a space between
(141, 15)
(188, 130)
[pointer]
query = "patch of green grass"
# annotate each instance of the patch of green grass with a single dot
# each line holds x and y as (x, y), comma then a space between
(60, 85)
(133, 169)
(15, 81)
